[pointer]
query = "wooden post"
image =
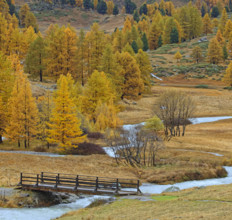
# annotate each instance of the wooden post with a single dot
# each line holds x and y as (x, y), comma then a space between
(37, 180)
(77, 182)
(138, 190)
(57, 180)
(42, 180)
(117, 186)
(96, 184)
(21, 179)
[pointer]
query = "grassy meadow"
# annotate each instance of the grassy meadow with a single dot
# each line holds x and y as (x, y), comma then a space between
(212, 203)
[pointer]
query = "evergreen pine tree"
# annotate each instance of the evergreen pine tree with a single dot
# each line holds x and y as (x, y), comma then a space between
(134, 46)
(174, 36)
(136, 16)
(145, 42)
(160, 41)
(101, 7)
(115, 10)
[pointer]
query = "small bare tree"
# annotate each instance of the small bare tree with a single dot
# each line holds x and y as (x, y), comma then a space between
(175, 108)
(136, 147)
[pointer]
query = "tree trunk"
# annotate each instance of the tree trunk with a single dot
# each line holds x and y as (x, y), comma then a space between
(1, 139)
(41, 76)
(18, 143)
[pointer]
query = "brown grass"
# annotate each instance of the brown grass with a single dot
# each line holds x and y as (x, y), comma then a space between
(209, 102)
(12, 164)
(214, 137)
(209, 203)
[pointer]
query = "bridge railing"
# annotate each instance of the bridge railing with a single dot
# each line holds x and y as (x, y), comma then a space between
(54, 180)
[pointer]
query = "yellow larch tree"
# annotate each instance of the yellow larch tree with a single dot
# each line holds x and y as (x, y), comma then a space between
(79, 3)
(24, 10)
(4, 8)
(45, 106)
(207, 25)
(154, 35)
(23, 112)
(80, 59)
(178, 56)
(70, 43)
(98, 89)
(64, 126)
(6, 86)
(97, 45)
(228, 29)
(214, 52)
(127, 25)
(228, 75)
(118, 42)
(110, 7)
(132, 84)
(3, 119)
(220, 38)
(106, 116)
(3, 34)
(223, 20)
(145, 68)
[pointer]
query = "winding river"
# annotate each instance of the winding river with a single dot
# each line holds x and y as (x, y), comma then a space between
(58, 210)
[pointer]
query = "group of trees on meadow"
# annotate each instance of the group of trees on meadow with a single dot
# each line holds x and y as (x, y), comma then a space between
(93, 71)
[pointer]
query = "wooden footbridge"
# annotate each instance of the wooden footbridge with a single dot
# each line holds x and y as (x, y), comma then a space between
(59, 182)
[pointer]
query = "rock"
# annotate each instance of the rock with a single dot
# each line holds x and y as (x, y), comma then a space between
(24, 195)
(172, 189)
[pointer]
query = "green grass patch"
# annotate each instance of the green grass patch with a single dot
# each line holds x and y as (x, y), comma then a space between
(202, 86)
(228, 88)
(164, 198)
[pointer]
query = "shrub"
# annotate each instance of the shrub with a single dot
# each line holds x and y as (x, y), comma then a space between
(95, 135)
(86, 148)
(40, 149)
(228, 87)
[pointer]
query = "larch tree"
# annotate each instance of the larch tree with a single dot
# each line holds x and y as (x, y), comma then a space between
(96, 37)
(118, 42)
(30, 21)
(24, 10)
(80, 58)
(3, 119)
(145, 68)
(6, 86)
(132, 84)
(214, 52)
(106, 116)
(153, 38)
(228, 29)
(110, 7)
(220, 38)
(127, 25)
(64, 126)
(70, 43)
(223, 20)
(35, 59)
(45, 107)
(98, 89)
(197, 54)
(23, 112)
(207, 25)
(228, 75)
(61, 46)
(178, 56)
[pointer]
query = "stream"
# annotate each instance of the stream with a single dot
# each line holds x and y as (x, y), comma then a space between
(58, 210)
(46, 213)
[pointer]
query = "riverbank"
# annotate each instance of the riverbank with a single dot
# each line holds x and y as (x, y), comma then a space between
(18, 198)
